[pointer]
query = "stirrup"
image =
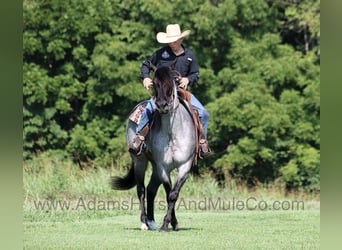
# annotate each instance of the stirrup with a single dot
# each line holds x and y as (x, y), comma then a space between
(136, 146)
(204, 149)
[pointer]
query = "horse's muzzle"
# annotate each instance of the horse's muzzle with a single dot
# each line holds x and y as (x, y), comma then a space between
(164, 107)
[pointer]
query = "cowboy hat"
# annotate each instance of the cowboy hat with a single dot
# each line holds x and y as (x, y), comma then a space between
(173, 33)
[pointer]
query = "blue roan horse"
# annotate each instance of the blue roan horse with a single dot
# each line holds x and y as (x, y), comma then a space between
(170, 145)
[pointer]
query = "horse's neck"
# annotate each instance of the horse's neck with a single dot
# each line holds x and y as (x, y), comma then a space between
(178, 123)
(167, 121)
(173, 137)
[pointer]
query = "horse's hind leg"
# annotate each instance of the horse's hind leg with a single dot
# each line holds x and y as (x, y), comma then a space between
(140, 167)
(141, 197)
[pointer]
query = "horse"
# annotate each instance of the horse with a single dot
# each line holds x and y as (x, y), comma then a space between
(170, 144)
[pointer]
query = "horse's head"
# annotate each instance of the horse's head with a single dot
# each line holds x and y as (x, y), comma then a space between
(165, 89)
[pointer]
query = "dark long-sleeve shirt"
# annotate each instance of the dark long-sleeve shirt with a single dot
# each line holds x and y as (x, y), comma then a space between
(186, 63)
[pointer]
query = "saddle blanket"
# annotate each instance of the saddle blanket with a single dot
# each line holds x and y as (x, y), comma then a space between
(135, 115)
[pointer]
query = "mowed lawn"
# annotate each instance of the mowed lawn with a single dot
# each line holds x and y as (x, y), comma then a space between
(198, 230)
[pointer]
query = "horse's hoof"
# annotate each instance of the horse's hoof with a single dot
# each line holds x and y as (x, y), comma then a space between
(152, 225)
(175, 227)
(144, 227)
(163, 230)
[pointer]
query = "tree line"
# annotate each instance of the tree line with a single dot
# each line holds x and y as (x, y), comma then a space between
(259, 80)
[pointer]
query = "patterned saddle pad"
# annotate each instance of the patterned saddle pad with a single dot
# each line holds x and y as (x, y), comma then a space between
(135, 114)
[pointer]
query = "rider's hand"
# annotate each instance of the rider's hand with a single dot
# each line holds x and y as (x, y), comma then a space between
(183, 83)
(147, 82)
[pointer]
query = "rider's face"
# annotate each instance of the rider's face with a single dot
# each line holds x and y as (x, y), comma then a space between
(176, 45)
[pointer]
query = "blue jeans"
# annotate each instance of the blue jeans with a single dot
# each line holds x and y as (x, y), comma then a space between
(151, 107)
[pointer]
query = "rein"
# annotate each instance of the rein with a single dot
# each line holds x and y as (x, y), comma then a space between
(175, 98)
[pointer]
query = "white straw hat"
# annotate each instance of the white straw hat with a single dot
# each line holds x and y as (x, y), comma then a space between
(173, 33)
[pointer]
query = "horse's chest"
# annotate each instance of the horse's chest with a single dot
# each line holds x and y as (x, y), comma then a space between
(169, 151)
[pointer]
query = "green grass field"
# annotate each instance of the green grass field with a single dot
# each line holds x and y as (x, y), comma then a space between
(209, 217)
(93, 229)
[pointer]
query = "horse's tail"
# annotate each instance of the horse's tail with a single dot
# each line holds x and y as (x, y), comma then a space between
(126, 182)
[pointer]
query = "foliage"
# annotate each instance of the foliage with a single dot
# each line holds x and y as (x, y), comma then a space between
(270, 124)
(259, 66)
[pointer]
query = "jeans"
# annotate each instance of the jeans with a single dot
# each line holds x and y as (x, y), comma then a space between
(151, 107)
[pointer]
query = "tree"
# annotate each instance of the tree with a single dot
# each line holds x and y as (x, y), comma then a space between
(301, 23)
(259, 79)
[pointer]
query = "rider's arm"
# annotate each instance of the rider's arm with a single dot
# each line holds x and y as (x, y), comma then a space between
(146, 66)
(193, 69)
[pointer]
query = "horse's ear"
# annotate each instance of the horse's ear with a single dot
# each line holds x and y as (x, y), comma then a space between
(153, 66)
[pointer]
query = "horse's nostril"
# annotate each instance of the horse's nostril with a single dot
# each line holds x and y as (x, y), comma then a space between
(161, 104)
(163, 107)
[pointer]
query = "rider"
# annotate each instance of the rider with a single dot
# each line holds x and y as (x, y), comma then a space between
(186, 64)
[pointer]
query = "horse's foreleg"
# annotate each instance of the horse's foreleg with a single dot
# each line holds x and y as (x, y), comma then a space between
(152, 188)
(174, 223)
(172, 198)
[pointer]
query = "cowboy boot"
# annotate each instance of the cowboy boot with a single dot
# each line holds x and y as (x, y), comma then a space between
(204, 148)
(136, 146)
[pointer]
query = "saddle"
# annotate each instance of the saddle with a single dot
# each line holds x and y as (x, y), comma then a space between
(184, 97)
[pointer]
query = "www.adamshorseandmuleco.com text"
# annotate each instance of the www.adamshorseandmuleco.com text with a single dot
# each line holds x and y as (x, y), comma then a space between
(205, 204)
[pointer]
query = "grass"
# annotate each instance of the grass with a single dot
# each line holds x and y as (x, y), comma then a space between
(95, 217)
(198, 230)
(49, 178)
